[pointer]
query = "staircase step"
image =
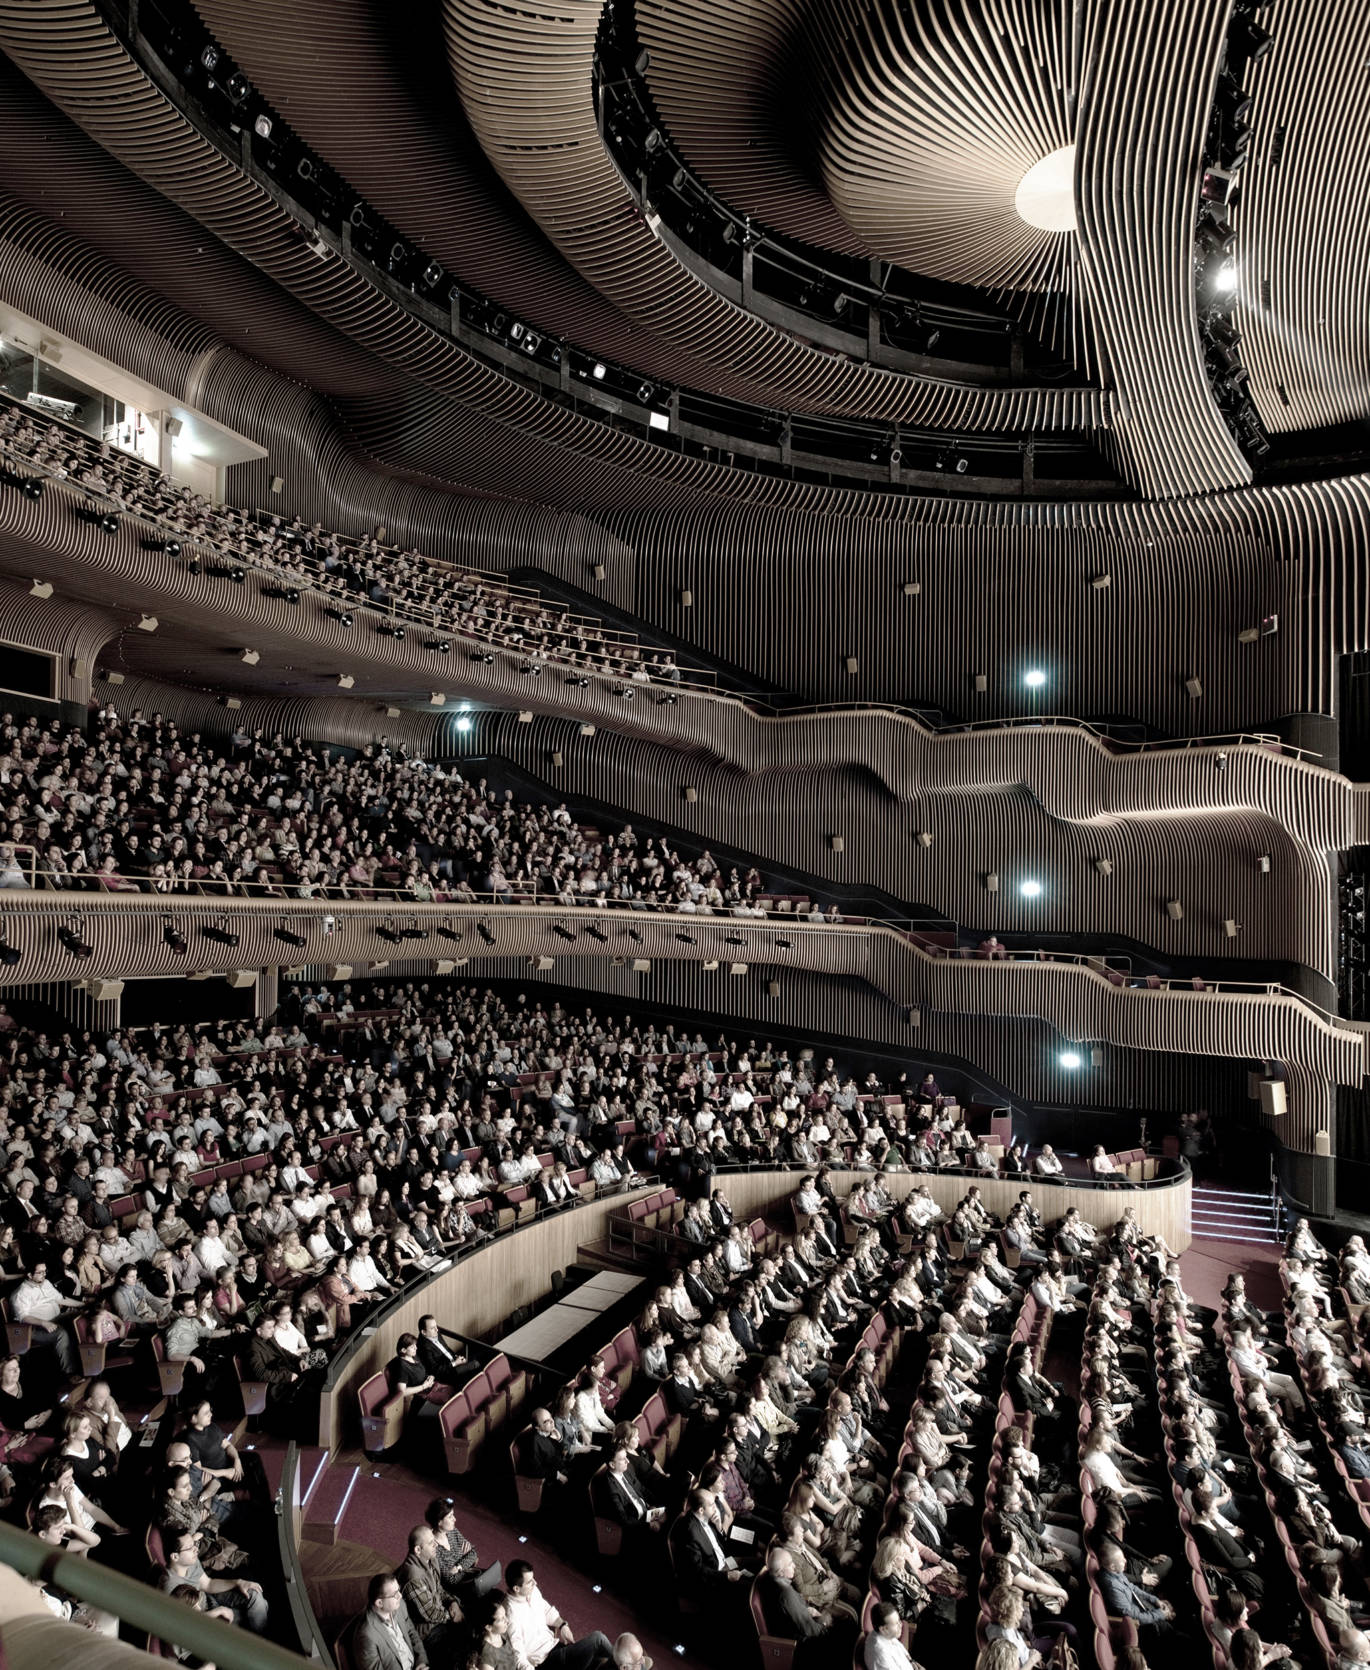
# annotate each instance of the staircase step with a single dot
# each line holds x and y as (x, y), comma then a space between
(328, 1503)
(1216, 1214)
(1230, 1194)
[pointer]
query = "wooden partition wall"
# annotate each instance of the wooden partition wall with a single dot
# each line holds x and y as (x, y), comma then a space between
(477, 1293)
(474, 1296)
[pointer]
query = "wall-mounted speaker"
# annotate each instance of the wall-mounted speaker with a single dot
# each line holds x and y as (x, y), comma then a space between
(1274, 1098)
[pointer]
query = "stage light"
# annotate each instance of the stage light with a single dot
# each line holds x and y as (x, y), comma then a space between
(220, 933)
(1034, 678)
(483, 930)
(288, 936)
(174, 937)
(262, 126)
(1071, 1061)
(463, 724)
(561, 932)
(1030, 889)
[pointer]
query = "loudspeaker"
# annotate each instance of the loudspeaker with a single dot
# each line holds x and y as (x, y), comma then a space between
(1322, 1143)
(924, 837)
(103, 991)
(852, 664)
(1174, 910)
(773, 988)
(239, 978)
(277, 482)
(1231, 928)
(737, 968)
(525, 716)
(837, 843)
(711, 967)
(913, 1017)
(174, 427)
(542, 964)
(981, 682)
(599, 571)
(1101, 582)
(642, 965)
(1104, 866)
(1274, 1100)
(992, 882)
(690, 794)
(687, 600)
(912, 588)
(557, 758)
(339, 971)
(1194, 687)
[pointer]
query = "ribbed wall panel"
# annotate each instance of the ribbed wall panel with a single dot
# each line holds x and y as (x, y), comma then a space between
(1043, 805)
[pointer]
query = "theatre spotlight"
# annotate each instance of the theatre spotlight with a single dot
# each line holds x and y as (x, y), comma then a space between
(288, 936)
(562, 932)
(174, 937)
(635, 936)
(220, 932)
(596, 932)
(483, 930)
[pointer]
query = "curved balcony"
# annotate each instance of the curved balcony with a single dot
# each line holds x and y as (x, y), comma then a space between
(68, 936)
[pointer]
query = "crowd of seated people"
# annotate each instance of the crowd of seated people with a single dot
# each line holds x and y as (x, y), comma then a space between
(232, 1198)
(438, 595)
(137, 806)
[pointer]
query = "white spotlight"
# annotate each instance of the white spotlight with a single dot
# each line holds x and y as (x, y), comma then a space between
(1034, 678)
(463, 724)
(1030, 889)
(1071, 1061)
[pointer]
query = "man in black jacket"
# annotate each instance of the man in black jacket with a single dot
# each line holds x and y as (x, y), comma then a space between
(703, 1566)
(789, 1616)
(436, 1357)
(545, 1455)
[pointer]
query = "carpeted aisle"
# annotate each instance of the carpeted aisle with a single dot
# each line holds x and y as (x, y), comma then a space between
(1207, 1265)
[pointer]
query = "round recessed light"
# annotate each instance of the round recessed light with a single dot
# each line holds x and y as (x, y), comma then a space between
(1046, 193)
(1030, 889)
(1071, 1061)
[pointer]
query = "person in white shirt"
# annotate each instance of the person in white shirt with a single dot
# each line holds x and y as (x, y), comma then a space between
(1047, 1164)
(539, 1634)
(211, 1251)
(37, 1302)
(884, 1649)
(363, 1272)
(1253, 1364)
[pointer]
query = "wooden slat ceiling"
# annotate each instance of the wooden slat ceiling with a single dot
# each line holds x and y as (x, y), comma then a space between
(1301, 221)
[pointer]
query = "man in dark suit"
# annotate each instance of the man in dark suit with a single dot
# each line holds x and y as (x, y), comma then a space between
(703, 1566)
(616, 1496)
(742, 1331)
(789, 1616)
(384, 1638)
(436, 1357)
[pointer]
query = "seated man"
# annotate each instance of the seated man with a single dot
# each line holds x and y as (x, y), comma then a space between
(703, 1566)
(546, 1454)
(820, 1640)
(240, 1594)
(383, 1637)
(539, 1635)
(433, 1613)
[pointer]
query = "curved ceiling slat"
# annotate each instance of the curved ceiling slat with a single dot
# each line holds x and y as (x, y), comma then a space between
(1302, 233)
(525, 81)
(737, 114)
(1144, 110)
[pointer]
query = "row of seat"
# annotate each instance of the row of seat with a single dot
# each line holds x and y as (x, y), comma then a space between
(1290, 1553)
